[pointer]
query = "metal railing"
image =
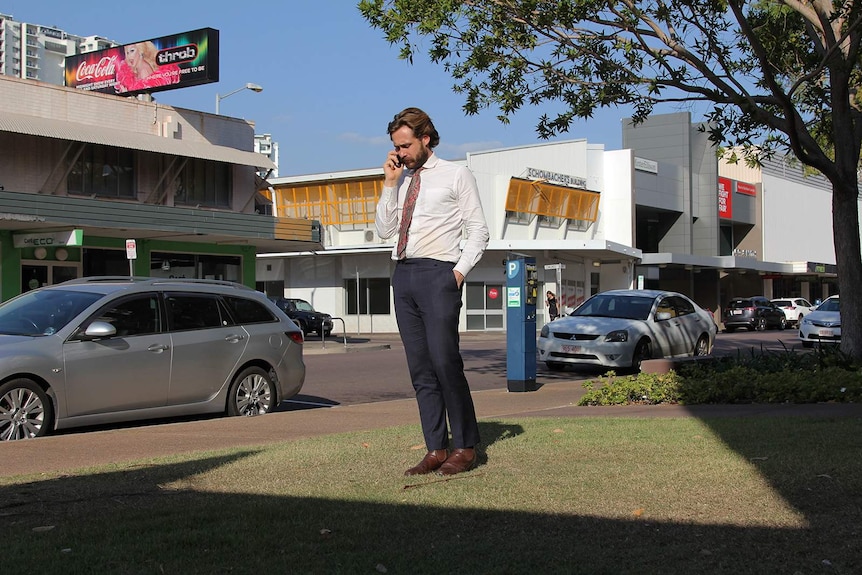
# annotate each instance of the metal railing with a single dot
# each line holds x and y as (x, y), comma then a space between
(343, 331)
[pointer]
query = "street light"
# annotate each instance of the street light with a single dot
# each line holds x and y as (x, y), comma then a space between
(249, 86)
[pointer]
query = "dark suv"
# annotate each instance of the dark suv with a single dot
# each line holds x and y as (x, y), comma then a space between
(753, 313)
(304, 315)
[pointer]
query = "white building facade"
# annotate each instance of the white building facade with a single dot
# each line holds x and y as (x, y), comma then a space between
(568, 204)
(662, 213)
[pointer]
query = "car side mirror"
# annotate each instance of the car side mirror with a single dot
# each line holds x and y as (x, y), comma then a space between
(662, 315)
(99, 329)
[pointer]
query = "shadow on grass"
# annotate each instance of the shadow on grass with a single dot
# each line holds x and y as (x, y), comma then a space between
(137, 521)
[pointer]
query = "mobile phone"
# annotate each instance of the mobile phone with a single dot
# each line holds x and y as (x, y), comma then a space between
(397, 162)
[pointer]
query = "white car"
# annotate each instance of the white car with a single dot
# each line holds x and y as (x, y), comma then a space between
(795, 308)
(622, 328)
(823, 325)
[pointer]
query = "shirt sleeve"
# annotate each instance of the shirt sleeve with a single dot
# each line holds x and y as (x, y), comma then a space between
(473, 218)
(386, 218)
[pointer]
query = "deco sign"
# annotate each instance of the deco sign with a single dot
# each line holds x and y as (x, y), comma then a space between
(56, 239)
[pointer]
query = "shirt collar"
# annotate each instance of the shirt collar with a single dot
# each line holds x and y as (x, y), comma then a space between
(429, 163)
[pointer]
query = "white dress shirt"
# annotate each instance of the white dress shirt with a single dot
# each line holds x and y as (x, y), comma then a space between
(447, 209)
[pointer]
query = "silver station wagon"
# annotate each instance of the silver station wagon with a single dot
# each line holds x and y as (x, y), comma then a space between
(108, 349)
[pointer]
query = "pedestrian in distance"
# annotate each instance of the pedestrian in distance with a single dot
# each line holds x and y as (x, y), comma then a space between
(430, 205)
(553, 310)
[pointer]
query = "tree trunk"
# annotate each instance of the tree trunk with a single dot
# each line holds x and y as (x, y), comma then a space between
(845, 226)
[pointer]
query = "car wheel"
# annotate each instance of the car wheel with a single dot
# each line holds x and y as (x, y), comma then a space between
(251, 393)
(782, 323)
(642, 353)
(555, 365)
(27, 410)
(799, 321)
(760, 324)
(302, 325)
(702, 346)
(327, 333)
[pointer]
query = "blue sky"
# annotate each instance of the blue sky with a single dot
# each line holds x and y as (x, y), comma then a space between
(331, 82)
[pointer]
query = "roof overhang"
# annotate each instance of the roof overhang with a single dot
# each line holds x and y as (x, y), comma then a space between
(736, 263)
(31, 213)
(77, 132)
(597, 250)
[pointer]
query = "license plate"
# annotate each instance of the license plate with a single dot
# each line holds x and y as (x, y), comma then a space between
(572, 348)
(736, 312)
(825, 332)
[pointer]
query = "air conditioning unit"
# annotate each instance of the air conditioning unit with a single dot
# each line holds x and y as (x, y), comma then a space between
(369, 236)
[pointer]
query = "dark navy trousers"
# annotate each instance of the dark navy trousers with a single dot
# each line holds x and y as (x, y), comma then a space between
(427, 308)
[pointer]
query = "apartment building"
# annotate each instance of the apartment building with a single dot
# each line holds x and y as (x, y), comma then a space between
(38, 52)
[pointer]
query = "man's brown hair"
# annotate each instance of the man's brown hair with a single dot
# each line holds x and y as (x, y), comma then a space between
(418, 121)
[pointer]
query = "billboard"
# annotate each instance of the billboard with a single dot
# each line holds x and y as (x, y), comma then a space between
(165, 63)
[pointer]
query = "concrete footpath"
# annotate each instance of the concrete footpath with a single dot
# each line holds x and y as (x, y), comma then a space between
(74, 450)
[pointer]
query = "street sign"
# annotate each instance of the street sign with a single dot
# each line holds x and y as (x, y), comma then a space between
(131, 250)
(555, 266)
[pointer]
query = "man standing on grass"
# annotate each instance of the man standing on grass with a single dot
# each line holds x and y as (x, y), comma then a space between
(429, 204)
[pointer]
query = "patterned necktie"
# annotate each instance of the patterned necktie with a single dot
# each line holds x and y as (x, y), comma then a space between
(407, 213)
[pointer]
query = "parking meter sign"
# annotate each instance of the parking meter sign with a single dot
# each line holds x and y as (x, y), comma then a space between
(131, 250)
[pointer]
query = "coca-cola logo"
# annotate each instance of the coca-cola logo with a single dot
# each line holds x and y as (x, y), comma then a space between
(105, 67)
(177, 54)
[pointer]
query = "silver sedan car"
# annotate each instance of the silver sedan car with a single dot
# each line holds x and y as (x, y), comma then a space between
(823, 325)
(619, 329)
(103, 350)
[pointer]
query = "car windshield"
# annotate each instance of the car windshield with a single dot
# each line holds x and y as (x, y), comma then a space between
(43, 312)
(611, 305)
(302, 305)
(783, 303)
(740, 303)
(830, 304)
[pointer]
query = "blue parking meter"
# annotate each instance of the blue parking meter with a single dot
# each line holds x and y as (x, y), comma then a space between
(522, 291)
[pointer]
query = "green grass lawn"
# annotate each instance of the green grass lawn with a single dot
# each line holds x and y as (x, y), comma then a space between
(744, 495)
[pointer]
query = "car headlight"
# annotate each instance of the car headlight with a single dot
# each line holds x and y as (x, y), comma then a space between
(545, 331)
(806, 321)
(620, 335)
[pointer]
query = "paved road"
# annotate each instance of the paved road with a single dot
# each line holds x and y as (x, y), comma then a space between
(381, 374)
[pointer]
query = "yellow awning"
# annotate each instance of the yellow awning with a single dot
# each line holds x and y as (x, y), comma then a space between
(545, 199)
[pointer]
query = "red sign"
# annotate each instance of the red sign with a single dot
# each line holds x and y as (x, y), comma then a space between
(747, 189)
(725, 198)
(493, 293)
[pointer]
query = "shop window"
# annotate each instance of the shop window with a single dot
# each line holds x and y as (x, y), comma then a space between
(518, 217)
(371, 297)
(550, 221)
(198, 266)
(102, 171)
(204, 183)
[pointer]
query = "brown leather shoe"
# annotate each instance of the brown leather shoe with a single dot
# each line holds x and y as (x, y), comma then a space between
(431, 461)
(459, 461)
